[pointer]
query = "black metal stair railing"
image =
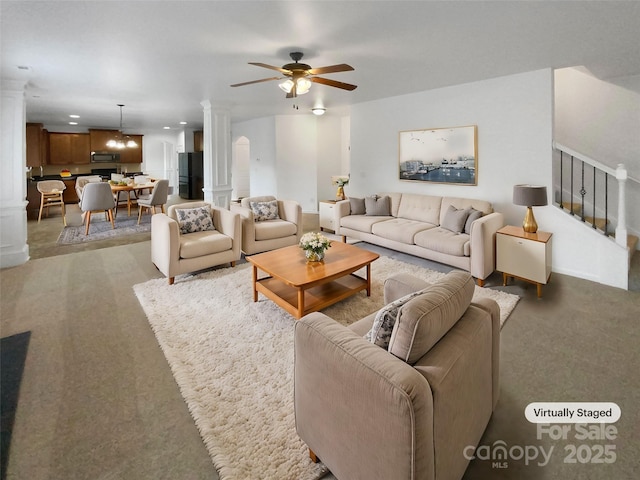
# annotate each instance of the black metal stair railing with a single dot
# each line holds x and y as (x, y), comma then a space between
(584, 191)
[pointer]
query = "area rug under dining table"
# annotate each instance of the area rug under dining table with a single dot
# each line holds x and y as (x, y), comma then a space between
(100, 229)
(233, 361)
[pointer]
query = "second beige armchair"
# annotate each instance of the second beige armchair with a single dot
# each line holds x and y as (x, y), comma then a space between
(268, 223)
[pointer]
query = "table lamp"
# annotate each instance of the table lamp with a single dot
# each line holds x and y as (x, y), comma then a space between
(530, 196)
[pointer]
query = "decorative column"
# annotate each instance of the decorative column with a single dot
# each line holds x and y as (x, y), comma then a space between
(621, 229)
(217, 155)
(14, 249)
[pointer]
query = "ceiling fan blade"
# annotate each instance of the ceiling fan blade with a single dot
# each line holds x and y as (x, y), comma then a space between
(255, 81)
(264, 65)
(333, 83)
(343, 67)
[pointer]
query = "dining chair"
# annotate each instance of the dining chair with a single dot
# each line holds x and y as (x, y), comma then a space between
(158, 197)
(51, 194)
(97, 197)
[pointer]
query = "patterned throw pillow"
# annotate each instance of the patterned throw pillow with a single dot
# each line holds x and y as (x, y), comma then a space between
(380, 332)
(265, 210)
(193, 220)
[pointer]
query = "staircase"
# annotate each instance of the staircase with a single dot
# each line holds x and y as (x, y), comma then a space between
(600, 224)
(594, 194)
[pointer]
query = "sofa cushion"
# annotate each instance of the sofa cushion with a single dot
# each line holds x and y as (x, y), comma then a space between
(399, 229)
(444, 241)
(361, 223)
(455, 219)
(422, 208)
(426, 318)
(267, 230)
(193, 220)
(264, 210)
(473, 216)
(385, 319)
(377, 206)
(357, 206)
(198, 244)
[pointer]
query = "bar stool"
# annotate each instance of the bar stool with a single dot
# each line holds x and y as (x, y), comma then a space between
(51, 195)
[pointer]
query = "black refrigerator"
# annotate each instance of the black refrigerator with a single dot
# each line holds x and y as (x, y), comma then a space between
(190, 176)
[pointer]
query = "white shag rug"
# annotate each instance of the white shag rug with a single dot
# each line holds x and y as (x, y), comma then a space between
(233, 361)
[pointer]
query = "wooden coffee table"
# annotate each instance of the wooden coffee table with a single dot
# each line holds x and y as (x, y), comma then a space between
(300, 287)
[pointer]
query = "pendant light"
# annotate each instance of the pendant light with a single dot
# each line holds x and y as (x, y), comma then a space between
(121, 141)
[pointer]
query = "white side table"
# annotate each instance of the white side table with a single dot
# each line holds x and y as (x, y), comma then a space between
(522, 255)
(327, 211)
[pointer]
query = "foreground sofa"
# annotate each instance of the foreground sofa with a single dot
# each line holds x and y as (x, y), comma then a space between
(422, 225)
(187, 239)
(407, 412)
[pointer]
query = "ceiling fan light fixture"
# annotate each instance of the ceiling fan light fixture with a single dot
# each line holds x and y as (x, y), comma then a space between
(303, 85)
(286, 86)
(318, 110)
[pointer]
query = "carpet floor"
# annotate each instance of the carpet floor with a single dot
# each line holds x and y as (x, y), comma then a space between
(233, 361)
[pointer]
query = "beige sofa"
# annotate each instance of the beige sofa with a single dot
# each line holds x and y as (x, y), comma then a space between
(414, 225)
(410, 411)
(262, 233)
(175, 252)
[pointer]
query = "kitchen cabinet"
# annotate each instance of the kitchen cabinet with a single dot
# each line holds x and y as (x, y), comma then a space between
(69, 149)
(132, 155)
(99, 138)
(327, 214)
(36, 145)
(523, 255)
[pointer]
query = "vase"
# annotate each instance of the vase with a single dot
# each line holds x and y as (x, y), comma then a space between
(340, 194)
(313, 256)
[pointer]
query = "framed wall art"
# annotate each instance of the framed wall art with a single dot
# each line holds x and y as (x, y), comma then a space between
(440, 155)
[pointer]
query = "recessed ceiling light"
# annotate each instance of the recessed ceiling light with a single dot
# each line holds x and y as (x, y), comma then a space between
(167, 128)
(318, 110)
(74, 116)
(73, 123)
(24, 67)
(183, 123)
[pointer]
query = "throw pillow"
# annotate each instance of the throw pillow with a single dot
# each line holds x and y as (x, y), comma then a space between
(455, 219)
(265, 210)
(193, 220)
(473, 216)
(380, 332)
(357, 206)
(424, 320)
(377, 206)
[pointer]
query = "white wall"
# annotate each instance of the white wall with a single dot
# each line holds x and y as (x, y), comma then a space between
(261, 133)
(294, 156)
(514, 119)
(598, 119)
(514, 115)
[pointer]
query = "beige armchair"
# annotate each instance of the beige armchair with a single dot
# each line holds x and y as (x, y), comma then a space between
(194, 236)
(270, 224)
(413, 409)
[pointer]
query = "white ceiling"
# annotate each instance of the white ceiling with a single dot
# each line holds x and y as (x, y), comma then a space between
(162, 58)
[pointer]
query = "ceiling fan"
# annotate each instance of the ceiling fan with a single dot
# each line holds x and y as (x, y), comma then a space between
(298, 76)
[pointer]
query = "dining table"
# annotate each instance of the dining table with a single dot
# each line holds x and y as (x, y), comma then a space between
(116, 188)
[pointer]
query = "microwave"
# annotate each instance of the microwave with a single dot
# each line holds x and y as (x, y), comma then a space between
(105, 157)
